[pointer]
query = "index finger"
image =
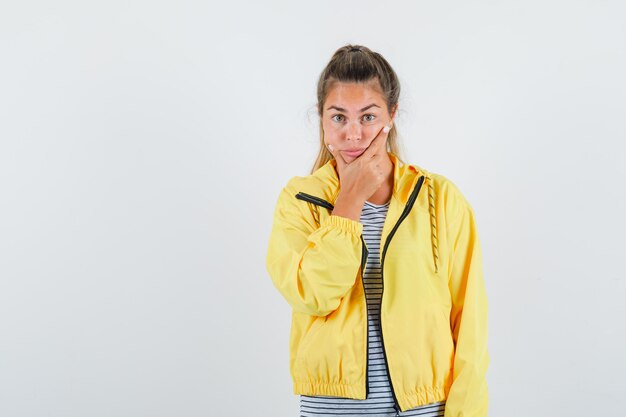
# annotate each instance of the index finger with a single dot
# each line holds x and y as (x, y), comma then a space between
(376, 145)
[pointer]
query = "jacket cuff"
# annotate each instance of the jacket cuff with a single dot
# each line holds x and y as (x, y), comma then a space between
(344, 223)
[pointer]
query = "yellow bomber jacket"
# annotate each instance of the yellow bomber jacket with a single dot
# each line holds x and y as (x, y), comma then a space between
(433, 308)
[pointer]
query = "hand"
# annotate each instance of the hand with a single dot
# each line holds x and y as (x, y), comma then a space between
(362, 177)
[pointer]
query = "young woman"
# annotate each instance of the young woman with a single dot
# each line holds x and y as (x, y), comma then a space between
(380, 261)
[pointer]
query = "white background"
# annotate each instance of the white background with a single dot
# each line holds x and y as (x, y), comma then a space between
(144, 144)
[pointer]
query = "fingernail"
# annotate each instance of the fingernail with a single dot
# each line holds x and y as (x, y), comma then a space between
(386, 129)
(330, 147)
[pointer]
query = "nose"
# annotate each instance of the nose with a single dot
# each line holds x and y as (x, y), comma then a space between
(353, 131)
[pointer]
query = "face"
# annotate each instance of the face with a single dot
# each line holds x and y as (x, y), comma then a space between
(353, 115)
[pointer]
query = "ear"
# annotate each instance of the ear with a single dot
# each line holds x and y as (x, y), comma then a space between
(393, 114)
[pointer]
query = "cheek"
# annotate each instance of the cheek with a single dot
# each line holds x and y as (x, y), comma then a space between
(332, 128)
(334, 144)
(332, 135)
(370, 132)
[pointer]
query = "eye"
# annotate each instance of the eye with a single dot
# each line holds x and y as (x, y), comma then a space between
(373, 117)
(335, 120)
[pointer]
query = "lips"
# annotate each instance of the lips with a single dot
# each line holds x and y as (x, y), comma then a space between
(353, 152)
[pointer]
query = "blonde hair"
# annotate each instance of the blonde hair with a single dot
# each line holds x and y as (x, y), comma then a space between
(356, 63)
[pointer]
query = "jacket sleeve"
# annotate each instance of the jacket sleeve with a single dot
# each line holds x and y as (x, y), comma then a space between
(312, 266)
(468, 395)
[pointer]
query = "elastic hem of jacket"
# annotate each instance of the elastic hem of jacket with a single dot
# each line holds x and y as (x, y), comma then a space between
(344, 223)
(422, 396)
(332, 390)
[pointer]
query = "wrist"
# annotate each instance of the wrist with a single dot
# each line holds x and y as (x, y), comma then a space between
(350, 198)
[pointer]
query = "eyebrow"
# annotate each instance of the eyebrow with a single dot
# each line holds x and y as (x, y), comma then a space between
(363, 109)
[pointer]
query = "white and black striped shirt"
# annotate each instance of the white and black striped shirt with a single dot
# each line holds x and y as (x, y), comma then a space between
(380, 399)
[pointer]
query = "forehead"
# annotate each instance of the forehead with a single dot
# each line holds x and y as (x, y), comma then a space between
(354, 95)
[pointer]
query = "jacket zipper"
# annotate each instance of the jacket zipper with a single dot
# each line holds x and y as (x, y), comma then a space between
(315, 200)
(404, 214)
(364, 254)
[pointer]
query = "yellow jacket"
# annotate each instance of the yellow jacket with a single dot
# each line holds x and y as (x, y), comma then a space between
(433, 308)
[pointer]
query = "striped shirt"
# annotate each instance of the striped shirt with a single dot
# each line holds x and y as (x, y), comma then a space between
(380, 400)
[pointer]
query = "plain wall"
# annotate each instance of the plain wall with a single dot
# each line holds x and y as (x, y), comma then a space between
(143, 145)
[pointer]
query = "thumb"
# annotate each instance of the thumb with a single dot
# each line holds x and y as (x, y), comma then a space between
(337, 155)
